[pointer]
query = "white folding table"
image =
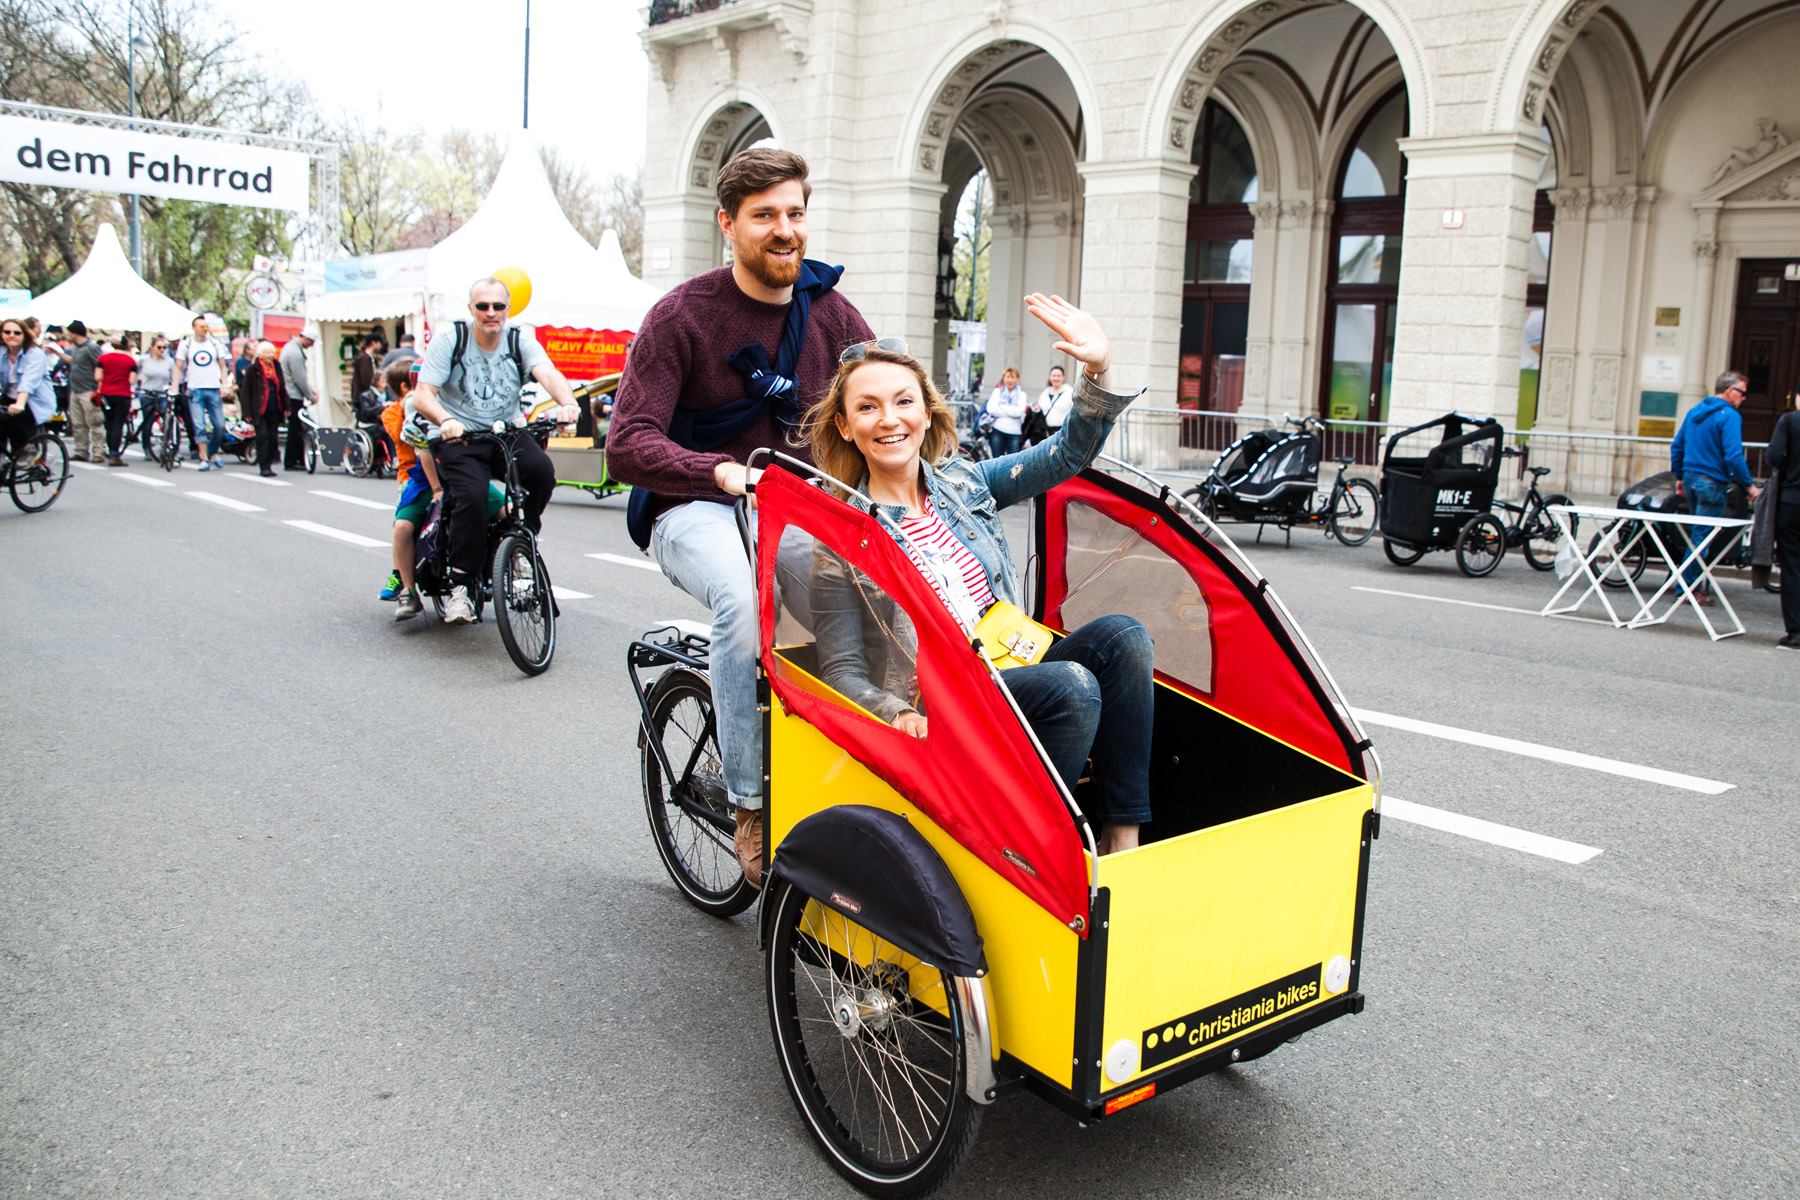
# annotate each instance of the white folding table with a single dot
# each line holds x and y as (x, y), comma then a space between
(1665, 532)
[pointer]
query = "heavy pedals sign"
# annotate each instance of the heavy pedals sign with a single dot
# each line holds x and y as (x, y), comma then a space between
(55, 154)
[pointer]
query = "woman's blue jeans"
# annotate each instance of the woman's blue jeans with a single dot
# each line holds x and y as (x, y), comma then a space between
(1093, 694)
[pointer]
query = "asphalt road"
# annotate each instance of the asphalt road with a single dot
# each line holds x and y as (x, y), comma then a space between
(296, 902)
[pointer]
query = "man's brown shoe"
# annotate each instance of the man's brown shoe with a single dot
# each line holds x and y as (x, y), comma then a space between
(747, 840)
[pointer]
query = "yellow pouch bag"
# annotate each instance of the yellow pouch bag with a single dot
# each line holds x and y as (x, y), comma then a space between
(1010, 638)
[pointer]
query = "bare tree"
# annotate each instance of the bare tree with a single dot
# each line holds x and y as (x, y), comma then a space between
(623, 204)
(379, 206)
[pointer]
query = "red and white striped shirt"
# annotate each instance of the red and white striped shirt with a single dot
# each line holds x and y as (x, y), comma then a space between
(951, 567)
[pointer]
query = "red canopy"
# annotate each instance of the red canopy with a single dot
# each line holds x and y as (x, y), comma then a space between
(980, 777)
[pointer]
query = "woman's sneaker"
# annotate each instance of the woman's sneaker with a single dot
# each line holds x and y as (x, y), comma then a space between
(408, 605)
(459, 609)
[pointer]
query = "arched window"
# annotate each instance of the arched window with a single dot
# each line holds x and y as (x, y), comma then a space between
(1537, 286)
(1363, 286)
(1215, 301)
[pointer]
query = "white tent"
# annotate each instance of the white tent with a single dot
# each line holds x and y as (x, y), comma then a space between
(107, 294)
(520, 224)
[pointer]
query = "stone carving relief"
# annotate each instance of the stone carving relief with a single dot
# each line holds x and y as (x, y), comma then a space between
(1265, 212)
(1769, 139)
(1578, 12)
(1256, 370)
(700, 178)
(1606, 387)
(1533, 94)
(1786, 188)
(1706, 251)
(1549, 55)
(1559, 384)
(928, 158)
(1178, 132)
(1291, 352)
(936, 123)
(1297, 211)
(1191, 92)
(1572, 201)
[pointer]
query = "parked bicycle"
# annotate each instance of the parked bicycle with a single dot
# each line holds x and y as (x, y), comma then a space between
(1271, 477)
(514, 577)
(36, 474)
(1485, 540)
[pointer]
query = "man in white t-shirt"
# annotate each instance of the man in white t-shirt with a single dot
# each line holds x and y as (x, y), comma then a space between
(201, 362)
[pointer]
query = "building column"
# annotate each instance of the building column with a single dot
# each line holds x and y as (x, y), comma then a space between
(1009, 265)
(1134, 238)
(680, 234)
(892, 261)
(1461, 318)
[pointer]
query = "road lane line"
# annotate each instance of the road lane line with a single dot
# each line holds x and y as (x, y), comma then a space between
(147, 480)
(342, 535)
(88, 466)
(624, 561)
(1529, 612)
(255, 479)
(1573, 853)
(698, 628)
(356, 500)
(234, 504)
(1555, 754)
(563, 593)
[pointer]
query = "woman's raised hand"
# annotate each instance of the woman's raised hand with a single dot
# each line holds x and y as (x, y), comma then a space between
(1081, 337)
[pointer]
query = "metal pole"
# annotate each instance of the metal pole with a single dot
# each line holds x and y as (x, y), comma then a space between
(137, 243)
(527, 64)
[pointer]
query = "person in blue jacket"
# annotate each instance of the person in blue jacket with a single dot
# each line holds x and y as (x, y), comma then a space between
(1707, 457)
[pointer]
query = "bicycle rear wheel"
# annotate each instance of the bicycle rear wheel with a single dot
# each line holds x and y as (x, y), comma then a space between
(523, 603)
(691, 820)
(1630, 567)
(1401, 554)
(36, 487)
(1542, 537)
(1353, 516)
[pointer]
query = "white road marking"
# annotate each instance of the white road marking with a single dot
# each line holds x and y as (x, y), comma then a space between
(256, 479)
(356, 500)
(147, 480)
(88, 466)
(235, 505)
(355, 539)
(697, 628)
(1529, 612)
(642, 564)
(1555, 754)
(563, 593)
(1487, 831)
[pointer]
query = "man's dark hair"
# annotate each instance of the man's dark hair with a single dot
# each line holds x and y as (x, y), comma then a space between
(758, 170)
(407, 339)
(77, 328)
(123, 342)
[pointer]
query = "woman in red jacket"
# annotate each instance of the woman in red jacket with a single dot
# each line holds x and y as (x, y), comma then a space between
(264, 399)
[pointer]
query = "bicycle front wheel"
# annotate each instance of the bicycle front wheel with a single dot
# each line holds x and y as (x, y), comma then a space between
(359, 454)
(1543, 537)
(524, 605)
(1353, 516)
(1480, 546)
(312, 453)
(870, 1043)
(36, 487)
(690, 814)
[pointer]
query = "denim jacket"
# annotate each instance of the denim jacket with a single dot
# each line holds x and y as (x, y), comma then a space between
(858, 660)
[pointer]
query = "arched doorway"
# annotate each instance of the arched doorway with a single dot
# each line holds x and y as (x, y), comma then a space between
(1362, 265)
(1216, 275)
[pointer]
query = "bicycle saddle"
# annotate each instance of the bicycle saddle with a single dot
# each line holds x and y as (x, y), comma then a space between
(1345, 460)
(1539, 471)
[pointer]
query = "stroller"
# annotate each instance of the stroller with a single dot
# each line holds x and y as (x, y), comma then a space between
(1268, 476)
(1434, 493)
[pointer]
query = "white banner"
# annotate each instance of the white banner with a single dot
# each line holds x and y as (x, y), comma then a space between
(55, 154)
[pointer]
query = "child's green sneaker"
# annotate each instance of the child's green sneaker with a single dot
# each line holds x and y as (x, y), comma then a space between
(391, 588)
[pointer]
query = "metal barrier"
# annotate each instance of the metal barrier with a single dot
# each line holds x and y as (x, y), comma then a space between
(1587, 467)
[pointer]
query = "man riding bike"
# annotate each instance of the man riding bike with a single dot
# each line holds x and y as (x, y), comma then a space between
(468, 384)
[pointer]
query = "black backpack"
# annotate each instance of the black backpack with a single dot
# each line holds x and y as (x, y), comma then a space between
(462, 344)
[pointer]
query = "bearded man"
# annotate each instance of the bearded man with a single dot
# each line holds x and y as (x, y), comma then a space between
(723, 365)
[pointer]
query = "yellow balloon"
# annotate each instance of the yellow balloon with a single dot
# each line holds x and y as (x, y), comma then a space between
(519, 284)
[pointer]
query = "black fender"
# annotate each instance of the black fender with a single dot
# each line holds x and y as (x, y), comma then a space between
(872, 866)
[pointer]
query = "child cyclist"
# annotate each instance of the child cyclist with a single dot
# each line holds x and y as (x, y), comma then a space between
(419, 484)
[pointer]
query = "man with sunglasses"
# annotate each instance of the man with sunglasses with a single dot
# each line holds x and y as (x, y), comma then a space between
(722, 366)
(1707, 457)
(475, 393)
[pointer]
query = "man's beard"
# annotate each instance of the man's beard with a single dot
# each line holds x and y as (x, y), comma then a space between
(773, 273)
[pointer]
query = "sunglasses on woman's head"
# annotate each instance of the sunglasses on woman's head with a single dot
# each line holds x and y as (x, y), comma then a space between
(860, 350)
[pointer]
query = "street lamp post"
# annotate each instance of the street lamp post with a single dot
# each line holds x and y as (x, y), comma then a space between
(527, 119)
(132, 37)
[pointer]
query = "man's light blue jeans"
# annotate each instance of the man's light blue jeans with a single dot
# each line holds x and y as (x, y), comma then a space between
(1706, 497)
(698, 547)
(206, 407)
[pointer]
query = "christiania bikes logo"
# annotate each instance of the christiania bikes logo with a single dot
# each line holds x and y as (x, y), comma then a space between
(1230, 1017)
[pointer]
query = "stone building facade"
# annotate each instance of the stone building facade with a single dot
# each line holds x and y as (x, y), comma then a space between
(1561, 212)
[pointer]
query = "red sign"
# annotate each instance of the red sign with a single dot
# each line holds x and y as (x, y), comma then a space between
(276, 327)
(583, 354)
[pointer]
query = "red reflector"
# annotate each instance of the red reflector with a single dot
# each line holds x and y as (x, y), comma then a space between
(1134, 1096)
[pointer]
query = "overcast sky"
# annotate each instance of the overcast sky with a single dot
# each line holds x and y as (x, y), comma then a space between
(457, 63)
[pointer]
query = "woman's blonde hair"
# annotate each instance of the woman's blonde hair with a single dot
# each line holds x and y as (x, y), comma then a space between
(837, 456)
